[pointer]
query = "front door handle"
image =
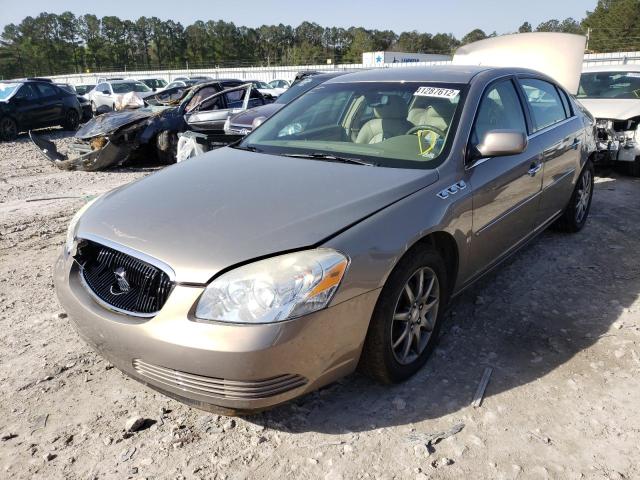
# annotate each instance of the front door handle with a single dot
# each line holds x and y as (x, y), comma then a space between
(534, 169)
(576, 143)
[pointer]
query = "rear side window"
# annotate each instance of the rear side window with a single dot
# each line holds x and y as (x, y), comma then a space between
(47, 90)
(500, 109)
(544, 101)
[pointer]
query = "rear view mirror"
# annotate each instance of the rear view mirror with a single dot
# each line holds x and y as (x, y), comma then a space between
(500, 143)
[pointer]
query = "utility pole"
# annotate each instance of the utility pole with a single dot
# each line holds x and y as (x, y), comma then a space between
(588, 37)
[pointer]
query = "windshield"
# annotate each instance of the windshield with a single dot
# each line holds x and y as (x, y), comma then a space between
(393, 124)
(609, 85)
(8, 89)
(127, 87)
(297, 89)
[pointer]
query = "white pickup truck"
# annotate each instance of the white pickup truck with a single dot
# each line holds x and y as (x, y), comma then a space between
(611, 93)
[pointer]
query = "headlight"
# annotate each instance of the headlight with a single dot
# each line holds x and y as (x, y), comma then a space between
(275, 289)
(71, 231)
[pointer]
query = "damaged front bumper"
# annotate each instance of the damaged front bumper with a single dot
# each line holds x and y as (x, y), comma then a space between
(617, 140)
(104, 142)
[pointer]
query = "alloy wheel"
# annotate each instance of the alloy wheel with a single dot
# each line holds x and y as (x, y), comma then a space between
(415, 315)
(583, 195)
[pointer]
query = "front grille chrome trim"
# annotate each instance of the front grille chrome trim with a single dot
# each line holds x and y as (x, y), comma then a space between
(153, 282)
(218, 387)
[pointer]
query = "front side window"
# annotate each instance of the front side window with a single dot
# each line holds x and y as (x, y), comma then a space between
(391, 124)
(610, 85)
(500, 109)
(201, 95)
(103, 88)
(544, 102)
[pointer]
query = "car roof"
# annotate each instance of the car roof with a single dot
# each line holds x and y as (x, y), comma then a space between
(612, 68)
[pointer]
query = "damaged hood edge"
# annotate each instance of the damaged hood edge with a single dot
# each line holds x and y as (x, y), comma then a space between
(108, 123)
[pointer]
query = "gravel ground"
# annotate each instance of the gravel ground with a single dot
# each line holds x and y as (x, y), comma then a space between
(559, 325)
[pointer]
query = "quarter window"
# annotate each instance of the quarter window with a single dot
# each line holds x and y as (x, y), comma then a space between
(546, 106)
(500, 109)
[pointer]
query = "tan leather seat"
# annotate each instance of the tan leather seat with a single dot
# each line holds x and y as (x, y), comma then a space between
(390, 121)
(436, 115)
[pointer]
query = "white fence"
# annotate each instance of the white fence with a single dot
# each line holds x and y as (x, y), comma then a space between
(288, 72)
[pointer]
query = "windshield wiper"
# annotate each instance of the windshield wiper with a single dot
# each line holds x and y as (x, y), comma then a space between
(249, 148)
(330, 158)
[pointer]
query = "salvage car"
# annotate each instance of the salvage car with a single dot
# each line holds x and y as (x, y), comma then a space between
(244, 122)
(137, 135)
(265, 88)
(84, 89)
(332, 237)
(612, 95)
(113, 94)
(35, 103)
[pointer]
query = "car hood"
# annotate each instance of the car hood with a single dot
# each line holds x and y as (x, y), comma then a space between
(612, 108)
(110, 122)
(247, 117)
(230, 206)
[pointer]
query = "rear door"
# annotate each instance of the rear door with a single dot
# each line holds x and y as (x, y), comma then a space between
(559, 133)
(506, 189)
(52, 103)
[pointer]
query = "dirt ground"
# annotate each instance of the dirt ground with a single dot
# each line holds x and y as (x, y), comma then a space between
(559, 325)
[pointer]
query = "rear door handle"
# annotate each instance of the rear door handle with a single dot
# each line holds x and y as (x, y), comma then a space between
(534, 169)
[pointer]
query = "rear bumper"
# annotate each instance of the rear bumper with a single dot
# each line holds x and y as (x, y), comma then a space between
(217, 366)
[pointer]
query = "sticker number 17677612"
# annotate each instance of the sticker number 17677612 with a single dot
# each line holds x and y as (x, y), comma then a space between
(436, 92)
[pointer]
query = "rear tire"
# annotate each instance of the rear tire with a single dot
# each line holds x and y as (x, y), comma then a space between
(8, 129)
(393, 350)
(71, 120)
(575, 215)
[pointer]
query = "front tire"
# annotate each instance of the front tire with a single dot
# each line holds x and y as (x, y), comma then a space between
(404, 327)
(166, 147)
(8, 129)
(575, 215)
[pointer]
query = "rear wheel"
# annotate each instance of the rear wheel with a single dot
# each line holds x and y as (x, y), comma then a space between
(8, 129)
(576, 213)
(406, 320)
(71, 120)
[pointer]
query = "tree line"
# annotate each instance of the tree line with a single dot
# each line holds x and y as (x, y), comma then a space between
(53, 44)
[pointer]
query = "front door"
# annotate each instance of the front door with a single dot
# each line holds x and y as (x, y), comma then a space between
(506, 190)
(211, 114)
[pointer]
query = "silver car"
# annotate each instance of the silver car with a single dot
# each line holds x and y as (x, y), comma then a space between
(331, 238)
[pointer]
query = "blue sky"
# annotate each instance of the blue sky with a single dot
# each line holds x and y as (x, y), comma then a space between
(450, 16)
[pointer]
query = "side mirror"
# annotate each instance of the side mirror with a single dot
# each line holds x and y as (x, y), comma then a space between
(500, 143)
(104, 92)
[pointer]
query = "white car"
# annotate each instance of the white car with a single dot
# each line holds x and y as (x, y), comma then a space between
(282, 84)
(265, 89)
(111, 95)
(611, 93)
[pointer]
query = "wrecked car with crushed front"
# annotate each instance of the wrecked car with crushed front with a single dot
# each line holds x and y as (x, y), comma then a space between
(139, 134)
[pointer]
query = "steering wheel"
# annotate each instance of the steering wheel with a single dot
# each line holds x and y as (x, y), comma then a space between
(428, 128)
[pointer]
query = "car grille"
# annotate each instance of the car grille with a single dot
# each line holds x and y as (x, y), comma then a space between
(122, 281)
(218, 387)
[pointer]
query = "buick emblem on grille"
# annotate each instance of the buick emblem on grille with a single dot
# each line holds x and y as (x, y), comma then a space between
(122, 284)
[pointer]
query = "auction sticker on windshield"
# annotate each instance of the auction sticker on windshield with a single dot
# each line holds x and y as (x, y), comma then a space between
(436, 92)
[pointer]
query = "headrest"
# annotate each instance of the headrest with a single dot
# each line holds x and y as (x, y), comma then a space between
(394, 108)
